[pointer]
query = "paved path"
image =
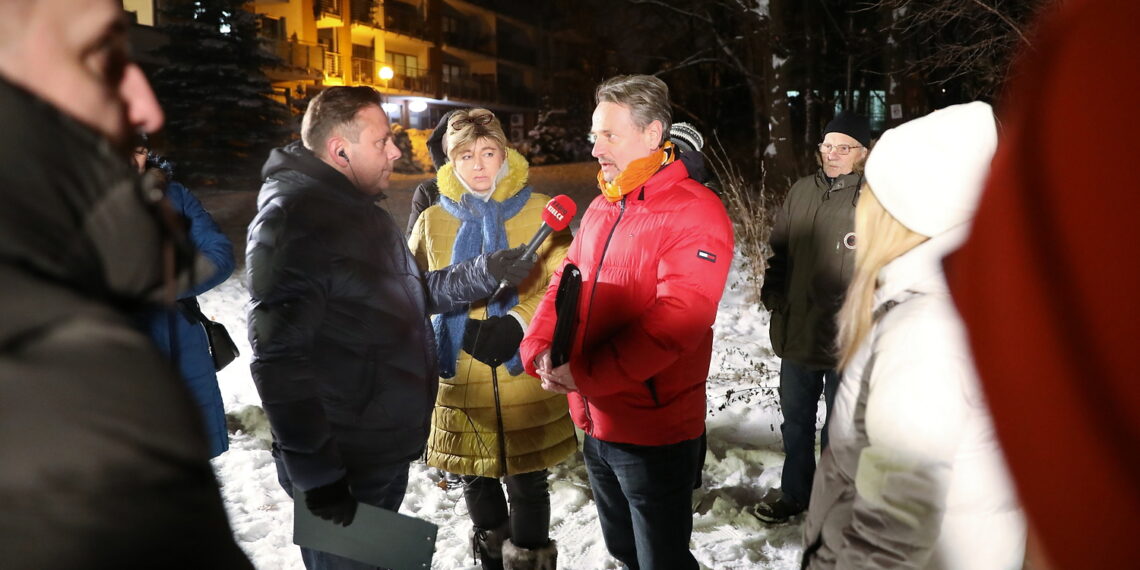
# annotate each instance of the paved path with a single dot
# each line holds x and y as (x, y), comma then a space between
(234, 209)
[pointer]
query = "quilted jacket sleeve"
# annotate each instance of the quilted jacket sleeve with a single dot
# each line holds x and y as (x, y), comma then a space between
(457, 285)
(206, 236)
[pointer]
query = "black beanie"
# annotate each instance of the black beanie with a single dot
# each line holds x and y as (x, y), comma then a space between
(852, 125)
(435, 141)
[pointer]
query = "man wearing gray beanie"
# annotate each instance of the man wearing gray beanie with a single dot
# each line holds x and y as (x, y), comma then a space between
(813, 251)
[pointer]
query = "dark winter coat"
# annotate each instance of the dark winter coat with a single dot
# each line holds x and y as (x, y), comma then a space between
(653, 265)
(188, 346)
(103, 460)
(343, 353)
(813, 253)
(427, 193)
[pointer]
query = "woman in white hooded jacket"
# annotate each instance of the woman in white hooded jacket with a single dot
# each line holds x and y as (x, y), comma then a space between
(914, 476)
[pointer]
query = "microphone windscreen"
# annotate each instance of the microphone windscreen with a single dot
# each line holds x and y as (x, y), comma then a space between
(559, 211)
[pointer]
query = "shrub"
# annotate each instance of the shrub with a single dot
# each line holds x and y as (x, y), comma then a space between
(752, 212)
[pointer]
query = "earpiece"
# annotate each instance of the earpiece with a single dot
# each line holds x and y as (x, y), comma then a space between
(343, 155)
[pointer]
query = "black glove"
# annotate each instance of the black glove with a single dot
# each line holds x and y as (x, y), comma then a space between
(333, 502)
(498, 340)
(509, 264)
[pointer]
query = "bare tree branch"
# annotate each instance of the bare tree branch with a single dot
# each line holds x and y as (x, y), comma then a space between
(660, 4)
(1005, 19)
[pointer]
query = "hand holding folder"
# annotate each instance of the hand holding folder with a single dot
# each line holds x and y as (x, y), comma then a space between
(566, 307)
(376, 536)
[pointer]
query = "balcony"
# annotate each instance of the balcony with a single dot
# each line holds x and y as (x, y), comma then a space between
(406, 79)
(470, 88)
(518, 53)
(362, 11)
(332, 64)
(403, 19)
(469, 42)
(301, 59)
(327, 13)
(330, 8)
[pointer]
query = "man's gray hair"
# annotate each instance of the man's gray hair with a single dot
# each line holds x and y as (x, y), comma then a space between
(646, 96)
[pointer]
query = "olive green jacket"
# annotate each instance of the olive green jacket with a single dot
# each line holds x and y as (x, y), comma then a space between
(813, 253)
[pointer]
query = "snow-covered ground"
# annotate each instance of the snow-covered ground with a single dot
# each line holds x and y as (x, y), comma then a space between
(742, 465)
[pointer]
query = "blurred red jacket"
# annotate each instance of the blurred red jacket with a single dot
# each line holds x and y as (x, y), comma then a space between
(1049, 285)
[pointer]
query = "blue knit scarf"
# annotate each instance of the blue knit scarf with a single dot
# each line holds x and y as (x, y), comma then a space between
(481, 230)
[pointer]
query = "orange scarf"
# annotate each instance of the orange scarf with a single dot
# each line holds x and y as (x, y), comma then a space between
(637, 173)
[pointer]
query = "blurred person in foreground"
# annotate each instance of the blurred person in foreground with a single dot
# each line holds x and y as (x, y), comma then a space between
(343, 354)
(654, 250)
(1048, 284)
(176, 329)
(913, 477)
(104, 461)
(813, 251)
(492, 420)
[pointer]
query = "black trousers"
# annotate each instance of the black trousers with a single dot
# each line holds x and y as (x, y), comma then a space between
(529, 512)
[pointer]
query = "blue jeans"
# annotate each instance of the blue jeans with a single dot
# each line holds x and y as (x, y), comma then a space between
(529, 515)
(378, 485)
(799, 398)
(644, 497)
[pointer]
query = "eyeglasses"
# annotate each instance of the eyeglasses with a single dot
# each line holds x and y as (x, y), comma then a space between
(477, 120)
(840, 149)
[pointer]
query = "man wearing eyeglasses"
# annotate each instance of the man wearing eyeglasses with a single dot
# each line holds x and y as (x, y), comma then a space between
(813, 251)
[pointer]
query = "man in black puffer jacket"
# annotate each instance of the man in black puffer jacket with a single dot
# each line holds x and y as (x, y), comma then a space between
(344, 357)
(102, 457)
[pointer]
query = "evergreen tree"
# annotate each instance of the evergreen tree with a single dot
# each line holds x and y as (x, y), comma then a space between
(221, 121)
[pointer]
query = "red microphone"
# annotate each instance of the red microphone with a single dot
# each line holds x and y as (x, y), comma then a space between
(556, 216)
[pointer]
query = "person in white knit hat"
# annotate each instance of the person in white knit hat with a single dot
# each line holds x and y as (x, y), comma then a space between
(914, 476)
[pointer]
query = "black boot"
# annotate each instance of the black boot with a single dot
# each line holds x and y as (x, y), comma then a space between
(516, 558)
(487, 545)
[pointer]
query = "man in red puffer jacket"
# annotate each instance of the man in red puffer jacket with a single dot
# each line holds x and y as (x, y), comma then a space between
(654, 251)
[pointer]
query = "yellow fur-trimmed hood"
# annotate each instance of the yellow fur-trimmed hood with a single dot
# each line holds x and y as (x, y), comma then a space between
(517, 172)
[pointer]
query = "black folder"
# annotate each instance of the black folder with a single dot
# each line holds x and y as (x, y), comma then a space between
(566, 306)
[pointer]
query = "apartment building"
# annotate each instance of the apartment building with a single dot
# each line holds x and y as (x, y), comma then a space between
(426, 56)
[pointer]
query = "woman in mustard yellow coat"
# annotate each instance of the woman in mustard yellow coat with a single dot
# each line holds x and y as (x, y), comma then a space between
(493, 424)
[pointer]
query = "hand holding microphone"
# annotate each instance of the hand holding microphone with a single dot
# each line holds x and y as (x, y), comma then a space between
(511, 266)
(514, 266)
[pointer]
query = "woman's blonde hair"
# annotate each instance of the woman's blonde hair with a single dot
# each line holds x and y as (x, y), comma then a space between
(880, 239)
(466, 126)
